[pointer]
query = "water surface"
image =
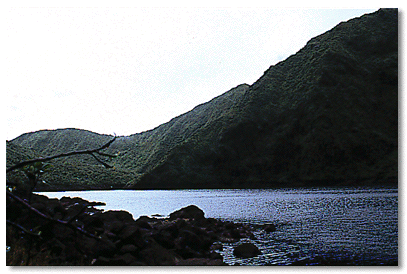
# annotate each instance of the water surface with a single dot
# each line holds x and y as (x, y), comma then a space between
(356, 225)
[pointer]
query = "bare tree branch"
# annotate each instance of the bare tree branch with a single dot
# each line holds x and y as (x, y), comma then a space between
(100, 161)
(88, 151)
(83, 208)
(105, 154)
(26, 231)
(67, 223)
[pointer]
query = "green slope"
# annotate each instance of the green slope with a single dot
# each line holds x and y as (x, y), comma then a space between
(17, 153)
(138, 153)
(327, 115)
(77, 172)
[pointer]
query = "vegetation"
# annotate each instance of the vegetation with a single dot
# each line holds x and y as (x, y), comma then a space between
(327, 115)
(24, 232)
(34, 169)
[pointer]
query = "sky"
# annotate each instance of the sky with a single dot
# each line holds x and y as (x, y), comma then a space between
(127, 70)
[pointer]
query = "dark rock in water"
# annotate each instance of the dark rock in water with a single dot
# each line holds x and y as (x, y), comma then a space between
(269, 228)
(217, 247)
(189, 212)
(215, 256)
(230, 225)
(246, 250)
(235, 233)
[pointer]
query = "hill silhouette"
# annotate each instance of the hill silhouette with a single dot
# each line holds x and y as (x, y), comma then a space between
(327, 115)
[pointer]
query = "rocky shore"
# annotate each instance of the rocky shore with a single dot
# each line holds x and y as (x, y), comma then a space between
(73, 231)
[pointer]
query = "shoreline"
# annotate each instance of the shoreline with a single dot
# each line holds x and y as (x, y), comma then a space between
(75, 232)
(184, 237)
(388, 184)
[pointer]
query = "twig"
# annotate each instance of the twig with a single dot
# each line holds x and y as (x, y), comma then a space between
(84, 207)
(105, 154)
(100, 161)
(26, 231)
(46, 159)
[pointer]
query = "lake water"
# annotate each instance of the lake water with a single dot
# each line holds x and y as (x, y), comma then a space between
(359, 226)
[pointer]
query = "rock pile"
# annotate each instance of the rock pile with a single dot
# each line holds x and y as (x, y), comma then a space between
(76, 233)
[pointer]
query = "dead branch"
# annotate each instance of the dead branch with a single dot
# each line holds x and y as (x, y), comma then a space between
(23, 229)
(83, 208)
(88, 151)
(106, 165)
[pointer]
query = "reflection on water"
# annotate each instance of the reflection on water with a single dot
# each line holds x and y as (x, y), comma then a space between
(359, 226)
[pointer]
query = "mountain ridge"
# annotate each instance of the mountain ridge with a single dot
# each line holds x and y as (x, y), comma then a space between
(326, 115)
(352, 70)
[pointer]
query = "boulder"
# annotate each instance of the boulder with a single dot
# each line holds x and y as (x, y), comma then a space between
(215, 256)
(132, 235)
(120, 215)
(129, 248)
(39, 206)
(171, 228)
(269, 228)
(217, 247)
(122, 260)
(106, 248)
(158, 255)
(125, 259)
(164, 238)
(189, 238)
(143, 223)
(189, 212)
(246, 250)
(234, 233)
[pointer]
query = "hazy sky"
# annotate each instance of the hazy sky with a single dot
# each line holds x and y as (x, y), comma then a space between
(127, 70)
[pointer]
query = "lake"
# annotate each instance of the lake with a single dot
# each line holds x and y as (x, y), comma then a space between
(356, 225)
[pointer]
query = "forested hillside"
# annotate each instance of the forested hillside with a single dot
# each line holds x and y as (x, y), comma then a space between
(327, 115)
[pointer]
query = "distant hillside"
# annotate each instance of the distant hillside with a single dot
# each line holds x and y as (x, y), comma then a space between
(138, 153)
(78, 172)
(17, 153)
(327, 115)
